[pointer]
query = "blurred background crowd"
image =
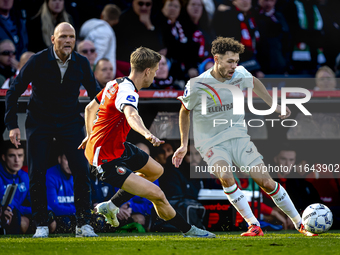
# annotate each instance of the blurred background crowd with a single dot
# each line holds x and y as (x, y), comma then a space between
(282, 38)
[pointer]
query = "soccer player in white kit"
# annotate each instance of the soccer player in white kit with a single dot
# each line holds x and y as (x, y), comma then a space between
(221, 145)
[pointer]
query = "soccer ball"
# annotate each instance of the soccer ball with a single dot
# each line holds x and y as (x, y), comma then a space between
(317, 218)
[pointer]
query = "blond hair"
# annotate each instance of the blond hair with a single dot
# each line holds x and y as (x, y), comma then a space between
(326, 69)
(143, 58)
(49, 22)
(111, 12)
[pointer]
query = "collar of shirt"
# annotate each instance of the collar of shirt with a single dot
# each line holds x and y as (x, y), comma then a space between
(4, 17)
(62, 66)
(59, 60)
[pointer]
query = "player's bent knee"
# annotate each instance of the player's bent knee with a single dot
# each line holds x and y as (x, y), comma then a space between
(157, 172)
(156, 195)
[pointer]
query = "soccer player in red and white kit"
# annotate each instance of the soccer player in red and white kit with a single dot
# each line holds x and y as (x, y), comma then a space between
(120, 163)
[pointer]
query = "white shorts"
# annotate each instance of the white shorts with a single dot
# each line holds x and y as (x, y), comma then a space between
(241, 151)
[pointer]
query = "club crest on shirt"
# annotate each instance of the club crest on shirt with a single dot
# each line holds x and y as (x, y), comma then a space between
(121, 170)
(131, 98)
(209, 153)
(22, 187)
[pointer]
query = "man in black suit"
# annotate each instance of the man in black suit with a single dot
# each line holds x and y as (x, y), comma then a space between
(56, 74)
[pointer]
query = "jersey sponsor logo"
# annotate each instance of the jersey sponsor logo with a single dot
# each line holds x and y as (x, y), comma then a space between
(209, 93)
(121, 170)
(234, 82)
(131, 98)
(221, 108)
(209, 154)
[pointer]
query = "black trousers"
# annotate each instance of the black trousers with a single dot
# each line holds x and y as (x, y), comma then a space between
(68, 134)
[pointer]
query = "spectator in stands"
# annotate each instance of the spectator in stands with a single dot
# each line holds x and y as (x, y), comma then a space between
(201, 20)
(137, 22)
(329, 11)
(167, 147)
(177, 40)
(162, 79)
(60, 195)
(307, 28)
(40, 28)
(19, 211)
(101, 33)
(325, 79)
(103, 71)
(243, 28)
(8, 63)
(273, 50)
(337, 66)
(205, 65)
(159, 155)
(13, 26)
(88, 50)
(23, 59)
(209, 6)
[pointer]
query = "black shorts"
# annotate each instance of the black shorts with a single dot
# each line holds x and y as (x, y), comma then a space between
(118, 170)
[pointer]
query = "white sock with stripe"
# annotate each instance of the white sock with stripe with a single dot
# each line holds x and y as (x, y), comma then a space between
(283, 201)
(239, 201)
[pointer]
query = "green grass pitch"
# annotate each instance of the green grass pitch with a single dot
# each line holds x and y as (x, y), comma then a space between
(284, 242)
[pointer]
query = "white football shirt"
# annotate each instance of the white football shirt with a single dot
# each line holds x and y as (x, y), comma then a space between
(219, 107)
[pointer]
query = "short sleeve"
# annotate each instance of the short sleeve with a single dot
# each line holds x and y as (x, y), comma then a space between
(126, 96)
(189, 98)
(247, 79)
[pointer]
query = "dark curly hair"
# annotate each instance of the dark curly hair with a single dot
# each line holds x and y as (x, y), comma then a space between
(223, 44)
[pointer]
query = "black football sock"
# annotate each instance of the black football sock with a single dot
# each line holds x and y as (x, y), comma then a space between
(179, 222)
(121, 197)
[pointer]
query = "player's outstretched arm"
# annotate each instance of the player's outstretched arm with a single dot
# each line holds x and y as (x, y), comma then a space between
(89, 116)
(262, 92)
(137, 124)
(184, 126)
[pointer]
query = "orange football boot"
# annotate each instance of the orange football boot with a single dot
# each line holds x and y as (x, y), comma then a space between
(253, 230)
(302, 230)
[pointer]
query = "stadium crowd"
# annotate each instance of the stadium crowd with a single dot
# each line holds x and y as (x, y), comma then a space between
(282, 38)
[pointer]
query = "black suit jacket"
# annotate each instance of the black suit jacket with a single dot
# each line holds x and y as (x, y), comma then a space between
(52, 99)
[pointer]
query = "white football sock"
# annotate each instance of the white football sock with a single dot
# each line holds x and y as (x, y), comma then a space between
(283, 201)
(239, 201)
